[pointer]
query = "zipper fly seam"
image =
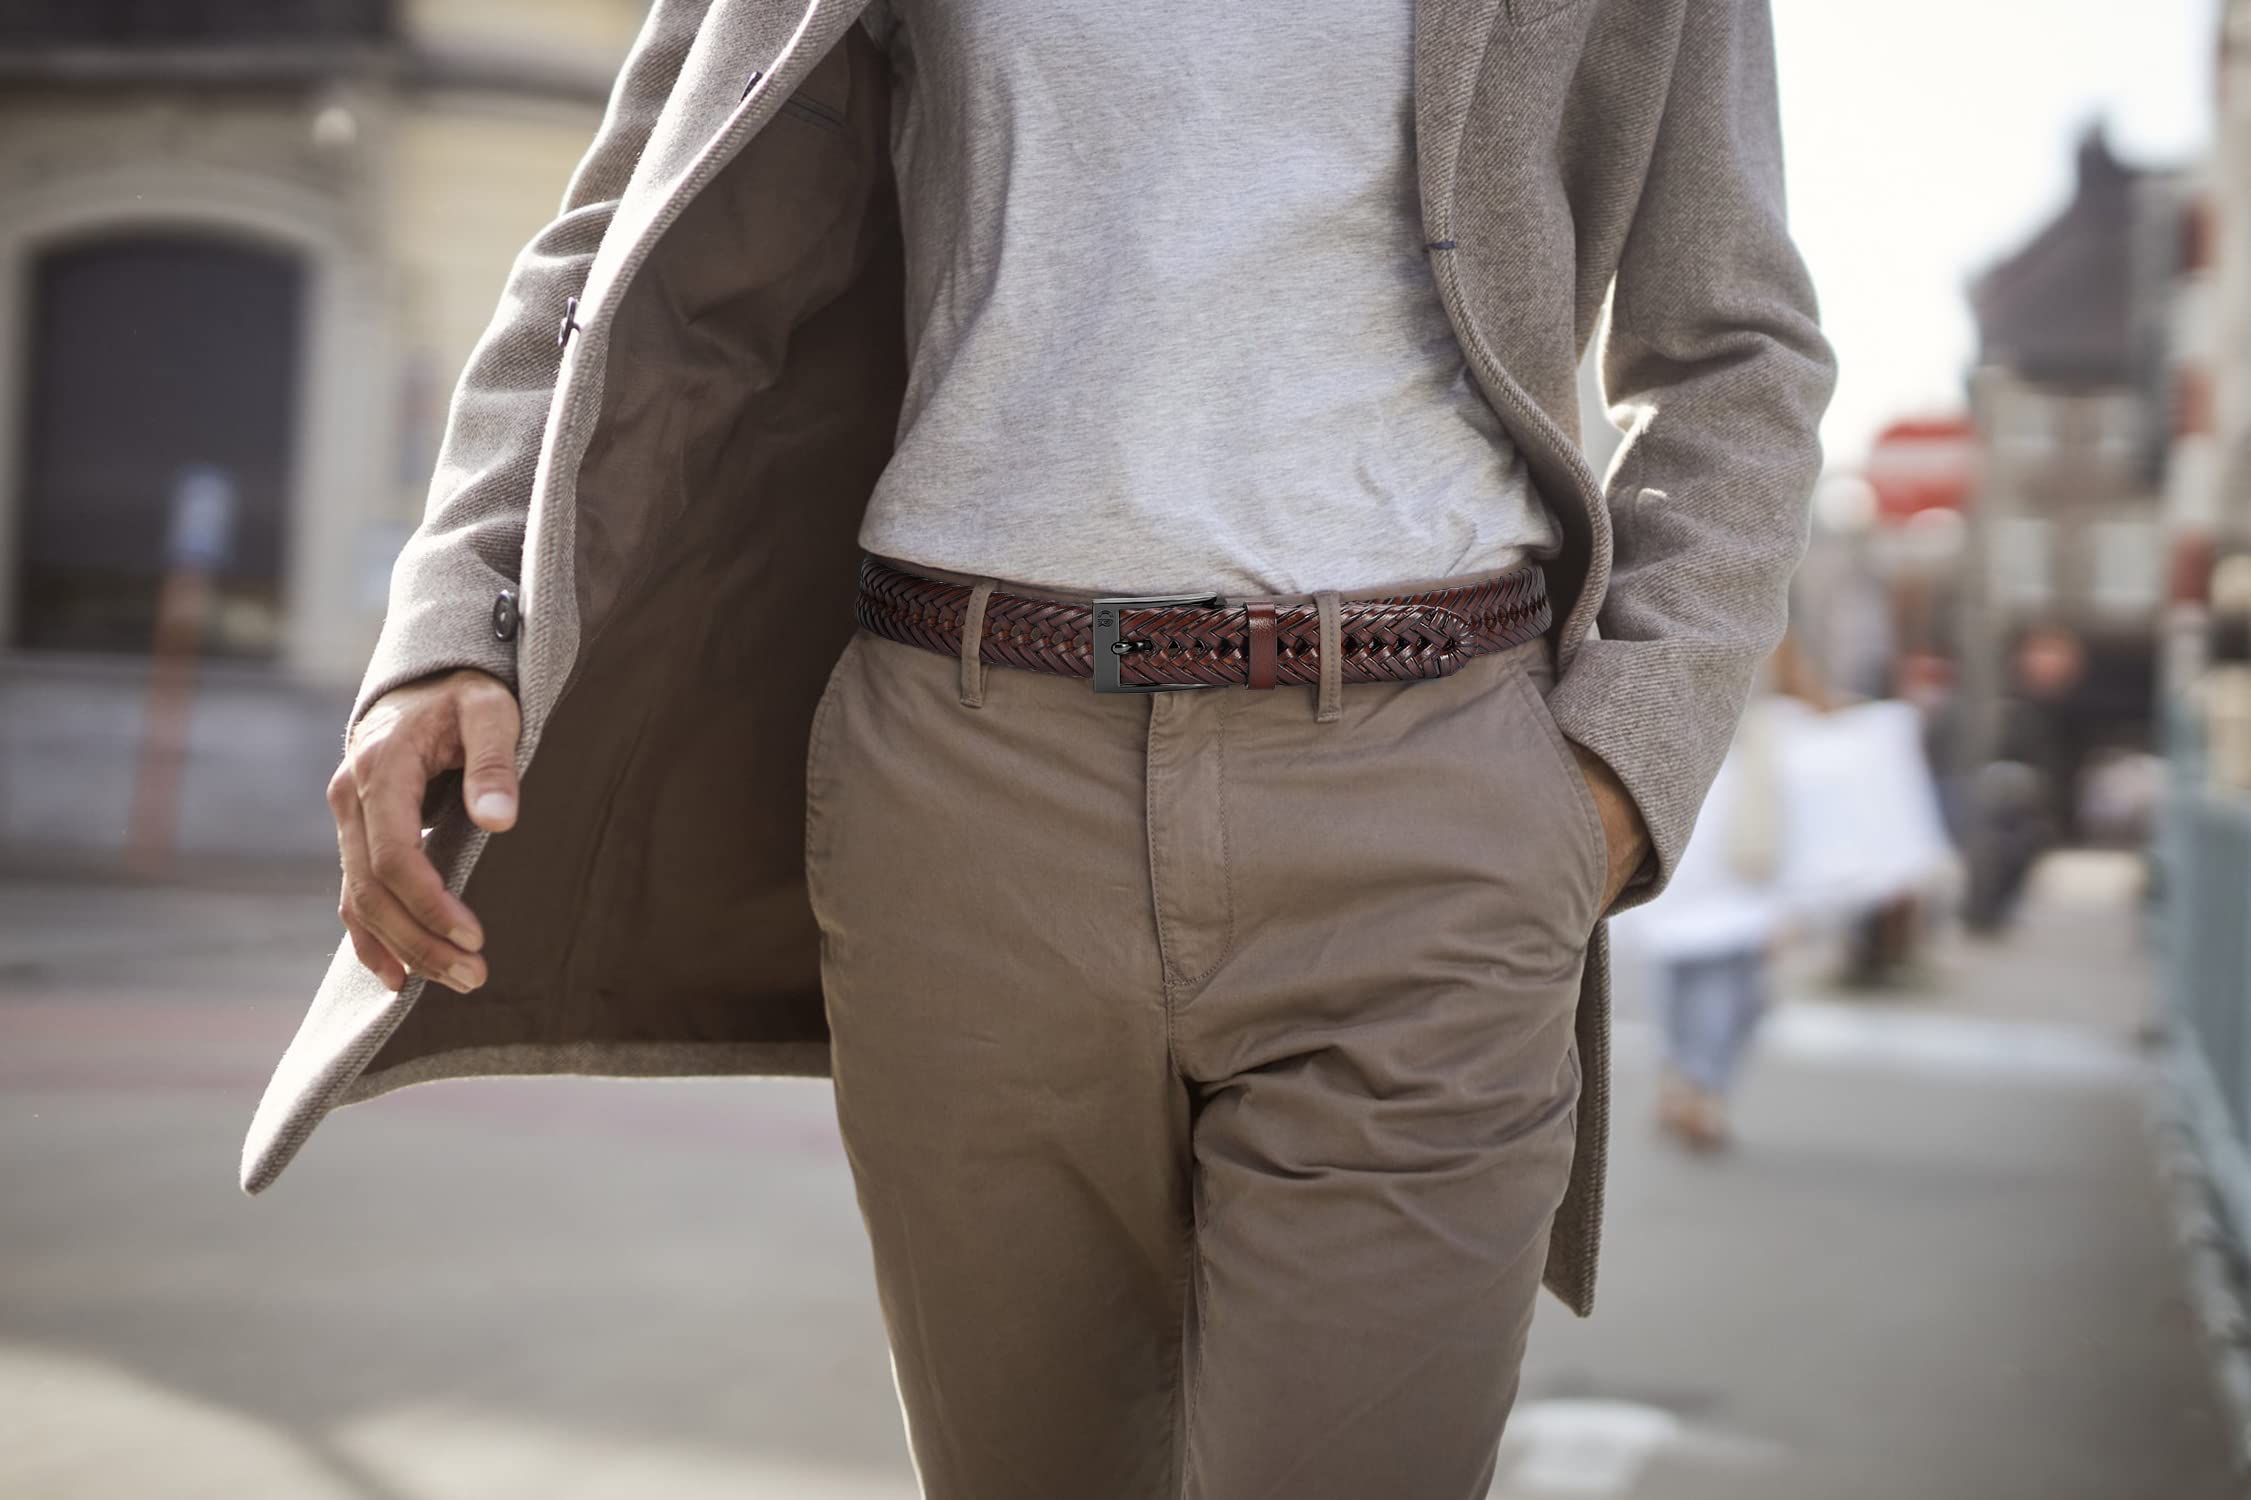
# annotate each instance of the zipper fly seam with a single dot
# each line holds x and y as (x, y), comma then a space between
(1154, 836)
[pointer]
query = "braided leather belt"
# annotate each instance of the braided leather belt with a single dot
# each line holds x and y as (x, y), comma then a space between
(1153, 644)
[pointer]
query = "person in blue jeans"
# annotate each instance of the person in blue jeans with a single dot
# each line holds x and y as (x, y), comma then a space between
(1712, 933)
(1711, 1007)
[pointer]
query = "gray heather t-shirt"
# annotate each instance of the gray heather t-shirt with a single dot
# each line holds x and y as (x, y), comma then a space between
(1170, 320)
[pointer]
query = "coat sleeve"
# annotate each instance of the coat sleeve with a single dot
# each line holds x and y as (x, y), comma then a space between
(1716, 367)
(469, 545)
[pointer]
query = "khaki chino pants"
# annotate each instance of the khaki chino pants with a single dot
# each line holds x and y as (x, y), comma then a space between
(1204, 1064)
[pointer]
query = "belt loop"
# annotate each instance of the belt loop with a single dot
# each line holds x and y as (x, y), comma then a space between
(1331, 702)
(1260, 643)
(972, 643)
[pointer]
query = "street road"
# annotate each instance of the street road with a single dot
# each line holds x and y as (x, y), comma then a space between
(1938, 1267)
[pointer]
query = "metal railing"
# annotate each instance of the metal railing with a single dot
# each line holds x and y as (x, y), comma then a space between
(2207, 859)
(2201, 1112)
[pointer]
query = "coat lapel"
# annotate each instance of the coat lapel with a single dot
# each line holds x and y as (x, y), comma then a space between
(747, 57)
(1450, 41)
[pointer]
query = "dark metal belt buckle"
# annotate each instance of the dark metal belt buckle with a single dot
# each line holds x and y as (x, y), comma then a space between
(1112, 646)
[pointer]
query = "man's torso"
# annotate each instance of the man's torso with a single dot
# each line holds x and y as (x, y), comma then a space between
(1171, 322)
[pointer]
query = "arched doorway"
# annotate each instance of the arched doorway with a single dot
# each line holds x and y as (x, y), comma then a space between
(158, 363)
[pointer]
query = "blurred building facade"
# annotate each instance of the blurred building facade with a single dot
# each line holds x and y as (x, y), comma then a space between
(2203, 851)
(245, 244)
(2223, 320)
(2073, 405)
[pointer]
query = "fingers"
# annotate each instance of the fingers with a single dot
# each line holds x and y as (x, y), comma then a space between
(385, 935)
(394, 903)
(489, 724)
(351, 852)
(391, 783)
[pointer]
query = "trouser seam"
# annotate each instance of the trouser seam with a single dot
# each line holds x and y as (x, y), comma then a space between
(1226, 855)
(1595, 846)
(1153, 775)
(1170, 978)
(1199, 1283)
(815, 795)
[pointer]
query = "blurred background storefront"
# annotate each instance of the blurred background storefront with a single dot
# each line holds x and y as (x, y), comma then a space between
(245, 246)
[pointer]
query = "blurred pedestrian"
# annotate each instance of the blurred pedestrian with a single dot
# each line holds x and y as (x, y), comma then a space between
(1714, 930)
(2024, 799)
(1931, 683)
(2015, 825)
(1884, 942)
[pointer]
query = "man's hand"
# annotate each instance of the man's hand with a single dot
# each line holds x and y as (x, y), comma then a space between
(396, 907)
(1623, 832)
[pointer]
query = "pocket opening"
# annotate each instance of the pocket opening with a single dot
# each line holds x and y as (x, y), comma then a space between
(1595, 844)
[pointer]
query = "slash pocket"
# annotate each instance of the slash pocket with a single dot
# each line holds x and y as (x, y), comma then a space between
(1593, 847)
(817, 788)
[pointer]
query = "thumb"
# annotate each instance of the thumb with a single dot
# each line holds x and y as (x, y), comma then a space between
(490, 724)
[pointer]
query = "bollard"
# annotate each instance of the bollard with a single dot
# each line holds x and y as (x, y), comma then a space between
(197, 544)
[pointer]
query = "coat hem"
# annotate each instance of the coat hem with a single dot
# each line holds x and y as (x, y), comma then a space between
(598, 1060)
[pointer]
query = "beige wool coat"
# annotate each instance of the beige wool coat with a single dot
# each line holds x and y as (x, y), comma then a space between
(666, 438)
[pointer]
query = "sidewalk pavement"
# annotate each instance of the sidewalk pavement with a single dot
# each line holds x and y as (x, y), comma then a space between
(1937, 1267)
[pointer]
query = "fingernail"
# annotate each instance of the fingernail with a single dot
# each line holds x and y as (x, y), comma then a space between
(495, 805)
(463, 980)
(466, 937)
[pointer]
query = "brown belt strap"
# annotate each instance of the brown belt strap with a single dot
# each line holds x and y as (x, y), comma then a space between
(1154, 644)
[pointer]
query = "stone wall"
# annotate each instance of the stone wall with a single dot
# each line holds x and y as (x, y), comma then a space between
(405, 179)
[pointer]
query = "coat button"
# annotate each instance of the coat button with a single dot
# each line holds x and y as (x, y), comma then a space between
(570, 322)
(505, 615)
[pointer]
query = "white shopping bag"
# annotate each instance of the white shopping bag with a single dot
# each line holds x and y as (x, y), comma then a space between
(1848, 817)
(1861, 817)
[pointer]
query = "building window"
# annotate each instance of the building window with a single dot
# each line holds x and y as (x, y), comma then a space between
(2025, 426)
(160, 22)
(2023, 561)
(2118, 430)
(2125, 565)
(161, 401)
